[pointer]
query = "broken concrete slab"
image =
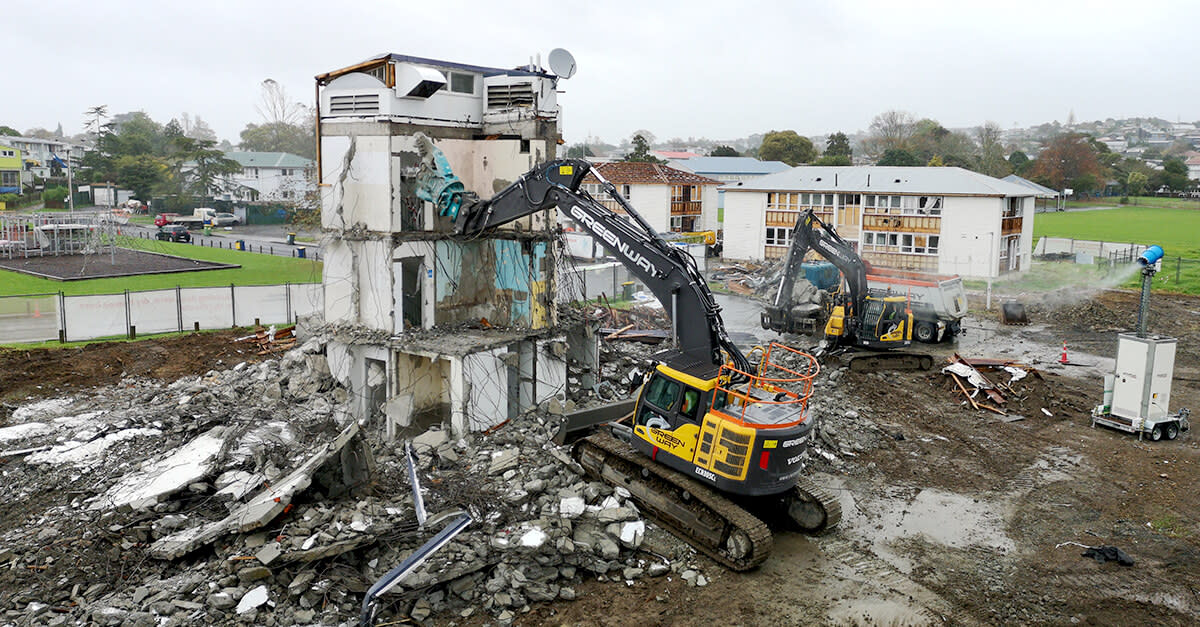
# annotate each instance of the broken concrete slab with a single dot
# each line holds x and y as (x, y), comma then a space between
(236, 484)
(86, 452)
(268, 553)
(430, 439)
(186, 464)
(257, 512)
(252, 599)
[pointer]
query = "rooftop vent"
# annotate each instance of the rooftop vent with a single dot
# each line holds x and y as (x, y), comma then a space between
(415, 81)
(352, 104)
(509, 95)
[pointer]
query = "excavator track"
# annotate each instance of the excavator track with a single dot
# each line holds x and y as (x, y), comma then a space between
(890, 361)
(812, 509)
(699, 515)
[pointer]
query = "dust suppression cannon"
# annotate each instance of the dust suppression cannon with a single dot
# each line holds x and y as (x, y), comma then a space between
(1149, 263)
(1137, 394)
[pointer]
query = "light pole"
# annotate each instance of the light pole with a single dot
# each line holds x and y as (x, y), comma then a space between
(70, 180)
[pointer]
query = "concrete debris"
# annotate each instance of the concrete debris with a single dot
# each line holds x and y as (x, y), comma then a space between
(212, 466)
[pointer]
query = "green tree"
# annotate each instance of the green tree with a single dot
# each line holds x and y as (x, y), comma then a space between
(838, 145)
(788, 147)
(9, 131)
(199, 167)
(890, 129)
(280, 137)
(641, 151)
(991, 151)
(723, 151)
(1135, 184)
(829, 159)
(936, 162)
(140, 173)
(1173, 175)
(1020, 162)
(139, 135)
(579, 151)
(900, 157)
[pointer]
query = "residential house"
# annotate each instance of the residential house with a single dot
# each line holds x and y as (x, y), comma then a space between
(728, 170)
(11, 166)
(1192, 160)
(43, 157)
(268, 176)
(397, 281)
(945, 220)
(671, 200)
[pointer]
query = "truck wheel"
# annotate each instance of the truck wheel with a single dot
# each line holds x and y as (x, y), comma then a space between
(1172, 431)
(1156, 433)
(925, 332)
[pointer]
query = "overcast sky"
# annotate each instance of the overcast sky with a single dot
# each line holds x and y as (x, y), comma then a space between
(703, 69)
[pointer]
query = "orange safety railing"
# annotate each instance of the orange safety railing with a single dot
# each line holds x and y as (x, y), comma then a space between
(782, 384)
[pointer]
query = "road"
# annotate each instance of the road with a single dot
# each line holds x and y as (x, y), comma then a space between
(269, 240)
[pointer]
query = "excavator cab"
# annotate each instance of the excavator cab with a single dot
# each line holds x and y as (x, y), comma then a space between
(886, 322)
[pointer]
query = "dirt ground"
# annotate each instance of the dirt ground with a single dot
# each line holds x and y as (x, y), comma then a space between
(958, 517)
(122, 262)
(26, 374)
(951, 515)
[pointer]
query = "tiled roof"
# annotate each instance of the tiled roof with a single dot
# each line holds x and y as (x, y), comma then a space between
(638, 173)
(674, 154)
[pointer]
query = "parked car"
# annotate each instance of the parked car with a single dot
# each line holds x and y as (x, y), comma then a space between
(225, 219)
(174, 233)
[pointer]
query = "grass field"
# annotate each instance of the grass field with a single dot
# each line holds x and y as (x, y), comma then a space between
(1176, 230)
(1138, 201)
(256, 269)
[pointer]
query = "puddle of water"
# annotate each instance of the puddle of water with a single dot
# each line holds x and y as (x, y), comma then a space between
(952, 520)
(876, 611)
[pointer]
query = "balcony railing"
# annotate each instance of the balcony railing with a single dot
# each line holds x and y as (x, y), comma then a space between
(685, 207)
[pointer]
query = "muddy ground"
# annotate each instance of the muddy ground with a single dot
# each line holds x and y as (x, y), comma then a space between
(952, 515)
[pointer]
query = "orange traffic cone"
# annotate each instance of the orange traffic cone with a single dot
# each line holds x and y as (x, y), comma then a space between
(37, 311)
(1063, 359)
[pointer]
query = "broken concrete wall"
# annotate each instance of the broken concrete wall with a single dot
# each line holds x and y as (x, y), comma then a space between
(421, 384)
(551, 370)
(505, 281)
(487, 378)
(485, 167)
(358, 283)
(356, 170)
(339, 281)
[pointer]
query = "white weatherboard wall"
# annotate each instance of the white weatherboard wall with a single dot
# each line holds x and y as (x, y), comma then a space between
(970, 235)
(374, 280)
(745, 230)
(709, 199)
(653, 202)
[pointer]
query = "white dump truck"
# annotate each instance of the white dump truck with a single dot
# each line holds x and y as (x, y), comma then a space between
(939, 302)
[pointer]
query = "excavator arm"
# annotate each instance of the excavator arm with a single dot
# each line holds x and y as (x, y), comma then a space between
(810, 233)
(668, 272)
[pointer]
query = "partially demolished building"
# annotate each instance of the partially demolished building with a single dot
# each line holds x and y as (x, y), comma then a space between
(432, 325)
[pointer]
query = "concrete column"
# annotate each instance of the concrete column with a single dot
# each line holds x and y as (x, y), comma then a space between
(458, 398)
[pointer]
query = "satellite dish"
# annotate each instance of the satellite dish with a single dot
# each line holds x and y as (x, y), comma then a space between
(562, 63)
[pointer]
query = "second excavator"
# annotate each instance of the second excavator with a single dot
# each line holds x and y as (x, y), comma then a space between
(717, 442)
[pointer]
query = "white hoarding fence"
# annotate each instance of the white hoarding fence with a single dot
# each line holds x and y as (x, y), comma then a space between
(48, 317)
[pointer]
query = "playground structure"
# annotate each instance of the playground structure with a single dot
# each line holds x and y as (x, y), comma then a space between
(39, 234)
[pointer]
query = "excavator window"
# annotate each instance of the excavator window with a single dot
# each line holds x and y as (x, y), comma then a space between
(691, 402)
(662, 392)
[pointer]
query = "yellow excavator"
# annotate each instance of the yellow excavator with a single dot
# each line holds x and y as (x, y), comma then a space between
(715, 439)
(854, 317)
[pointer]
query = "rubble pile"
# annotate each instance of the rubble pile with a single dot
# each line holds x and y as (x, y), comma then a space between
(254, 495)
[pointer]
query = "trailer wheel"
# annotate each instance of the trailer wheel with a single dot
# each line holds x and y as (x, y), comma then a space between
(1156, 433)
(1172, 431)
(925, 332)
